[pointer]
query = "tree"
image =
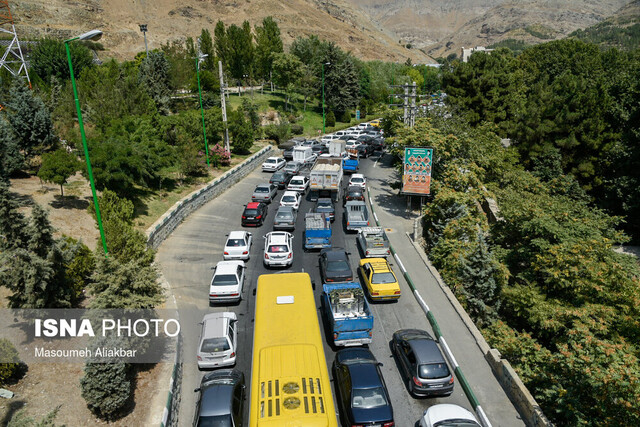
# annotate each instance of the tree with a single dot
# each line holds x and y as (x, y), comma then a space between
(308, 84)
(241, 132)
(58, 166)
(11, 160)
(107, 388)
(205, 46)
(49, 59)
(20, 419)
(10, 360)
(287, 71)
(241, 51)
(222, 45)
(341, 81)
(268, 43)
(29, 119)
(250, 110)
(330, 119)
(12, 222)
(154, 77)
(180, 56)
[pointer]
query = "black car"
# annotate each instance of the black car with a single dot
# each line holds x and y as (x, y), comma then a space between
(364, 150)
(254, 214)
(335, 266)
(353, 192)
(320, 149)
(421, 363)
(221, 399)
(280, 179)
(325, 205)
(361, 393)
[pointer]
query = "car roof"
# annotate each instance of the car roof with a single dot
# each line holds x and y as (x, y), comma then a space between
(264, 184)
(278, 237)
(237, 235)
(364, 375)
(214, 325)
(357, 175)
(290, 193)
(324, 200)
(447, 411)
(253, 205)
(273, 158)
(216, 400)
(334, 255)
(225, 267)
(285, 209)
(426, 351)
(378, 264)
(299, 176)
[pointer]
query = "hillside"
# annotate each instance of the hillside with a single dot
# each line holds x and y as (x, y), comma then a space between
(531, 21)
(622, 30)
(334, 20)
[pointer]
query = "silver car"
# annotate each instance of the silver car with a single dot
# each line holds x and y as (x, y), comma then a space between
(264, 193)
(218, 340)
(293, 167)
(285, 218)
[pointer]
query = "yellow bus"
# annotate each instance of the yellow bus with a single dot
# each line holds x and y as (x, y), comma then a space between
(289, 378)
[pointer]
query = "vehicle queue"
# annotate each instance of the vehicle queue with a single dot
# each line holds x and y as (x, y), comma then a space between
(361, 394)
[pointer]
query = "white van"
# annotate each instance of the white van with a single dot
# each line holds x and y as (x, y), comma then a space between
(304, 155)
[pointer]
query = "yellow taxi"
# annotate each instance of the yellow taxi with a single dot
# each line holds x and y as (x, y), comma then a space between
(379, 280)
(375, 123)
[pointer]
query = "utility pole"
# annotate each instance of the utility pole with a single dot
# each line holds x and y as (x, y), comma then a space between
(224, 109)
(143, 28)
(12, 59)
(409, 111)
(414, 95)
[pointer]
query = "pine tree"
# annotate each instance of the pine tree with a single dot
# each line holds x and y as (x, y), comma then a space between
(11, 160)
(57, 167)
(154, 76)
(205, 43)
(478, 271)
(107, 388)
(12, 222)
(241, 132)
(268, 43)
(221, 44)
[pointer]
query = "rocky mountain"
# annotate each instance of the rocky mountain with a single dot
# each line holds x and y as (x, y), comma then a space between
(335, 20)
(621, 30)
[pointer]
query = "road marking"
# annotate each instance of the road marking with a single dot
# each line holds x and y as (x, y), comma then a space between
(400, 263)
(452, 360)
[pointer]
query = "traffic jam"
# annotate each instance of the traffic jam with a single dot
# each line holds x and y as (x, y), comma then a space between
(324, 172)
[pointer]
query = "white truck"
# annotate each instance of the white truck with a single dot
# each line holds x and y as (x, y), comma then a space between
(325, 178)
(304, 155)
(373, 242)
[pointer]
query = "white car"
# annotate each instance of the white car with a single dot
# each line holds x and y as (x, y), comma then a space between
(273, 164)
(218, 340)
(448, 415)
(227, 282)
(328, 138)
(298, 183)
(291, 198)
(278, 249)
(238, 245)
(358, 180)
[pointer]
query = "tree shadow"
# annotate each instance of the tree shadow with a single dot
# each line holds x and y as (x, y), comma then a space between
(22, 199)
(12, 408)
(69, 202)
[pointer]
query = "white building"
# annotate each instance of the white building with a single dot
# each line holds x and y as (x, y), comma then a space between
(466, 53)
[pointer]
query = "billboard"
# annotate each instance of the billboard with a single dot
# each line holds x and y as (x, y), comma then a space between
(416, 177)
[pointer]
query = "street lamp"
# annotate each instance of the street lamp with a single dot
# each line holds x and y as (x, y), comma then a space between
(143, 28)
(199, 59)
(91, 35)
(323, 117)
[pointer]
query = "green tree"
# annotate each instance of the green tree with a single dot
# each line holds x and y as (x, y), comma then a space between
(205, 44)
(250, 110)
(268, 43)
(11, 360)
(222, 45)
(330, 119)
(180, 56)
(30, 120)
(11, 159)
(107, 388)
(241, 51)
(58, 166)
(287, 71)
(12, 222)
(49, 59)
(341, 81)
(241, 132)
(308, 84)
(20, 419)
(154, 77)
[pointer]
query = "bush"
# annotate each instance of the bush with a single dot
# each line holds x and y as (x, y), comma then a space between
(81, 265)
(278, 133)
(219, 155)
(297, 129)
(106, 388)
(345, 117)
(8, 352)
(330, 119)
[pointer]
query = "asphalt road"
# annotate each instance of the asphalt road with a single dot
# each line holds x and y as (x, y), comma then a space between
(187, 256)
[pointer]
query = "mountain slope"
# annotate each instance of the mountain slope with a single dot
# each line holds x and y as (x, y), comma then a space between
(622, 30)
(334, 20)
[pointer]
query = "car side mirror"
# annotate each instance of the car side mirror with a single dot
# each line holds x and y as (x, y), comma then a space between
(380, 364)
(213, 268)
(195, 390)
(254, 292)
(313, 285)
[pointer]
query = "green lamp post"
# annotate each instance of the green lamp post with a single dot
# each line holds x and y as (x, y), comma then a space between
(199, 59)
(323, 117)
(91, 35)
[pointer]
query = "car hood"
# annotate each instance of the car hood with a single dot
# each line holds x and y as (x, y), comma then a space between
(381, 414)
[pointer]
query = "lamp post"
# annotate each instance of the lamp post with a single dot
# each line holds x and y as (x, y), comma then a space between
(143, 28)
(199, 59)
(91, 35)
(323, 117)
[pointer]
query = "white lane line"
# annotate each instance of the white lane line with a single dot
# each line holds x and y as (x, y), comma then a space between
(376, 217)
(423, 304)
(399, 262)
(452, 360)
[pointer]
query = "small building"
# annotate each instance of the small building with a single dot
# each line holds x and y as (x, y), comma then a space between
(466, 53)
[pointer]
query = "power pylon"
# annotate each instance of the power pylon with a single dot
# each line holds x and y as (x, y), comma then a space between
(12, 58)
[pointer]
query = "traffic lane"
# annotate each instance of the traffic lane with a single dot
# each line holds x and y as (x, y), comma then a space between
(186, 258)
(391, 211)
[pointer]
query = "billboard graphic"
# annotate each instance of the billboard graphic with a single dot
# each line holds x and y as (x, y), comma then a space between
(416, 178)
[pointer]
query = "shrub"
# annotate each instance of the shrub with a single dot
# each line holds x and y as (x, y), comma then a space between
(278, 133)
(345, 117)
(106, 388)
(297, 129)
(330, 119)
(219, 155)
(8, 352)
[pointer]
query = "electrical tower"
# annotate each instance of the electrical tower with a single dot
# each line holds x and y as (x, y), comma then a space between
(12, 58)
(409, 116)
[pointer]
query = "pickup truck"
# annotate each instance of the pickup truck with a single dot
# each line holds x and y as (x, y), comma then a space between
(356, 215)
(349, 317)
(373, 242)
(350, 165)
(317, 232)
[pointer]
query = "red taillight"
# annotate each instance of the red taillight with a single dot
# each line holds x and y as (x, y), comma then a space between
(366, 253)
(244, 217)
(234, 295)
(266, 256)
(396, 293)
(290, 255)
(451, 380)
(243, 253)
(226, 253)
(370, 333)
(335, 335)
(391, 424)
(347, 223)
(375, 293)
(199, 358)
(367, 223)
(233, 354)
(417, 382)
(259, 216)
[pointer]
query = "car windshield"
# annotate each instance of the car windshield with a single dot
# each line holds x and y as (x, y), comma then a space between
(224, 280)
(357, 180)
(297, 182)
(433, 371)
(277, 175)
(367, 398)
(291, 199)
(334, 266)
(456, 422)
(214, 345)
(382, 278)
(278, 248)
(324, 205)
(284, 215)
(270, 161)
(261, 190)
(215, 421)
(251, 212)
(235, 242)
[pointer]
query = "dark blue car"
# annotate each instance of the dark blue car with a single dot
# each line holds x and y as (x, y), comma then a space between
(360, 389)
